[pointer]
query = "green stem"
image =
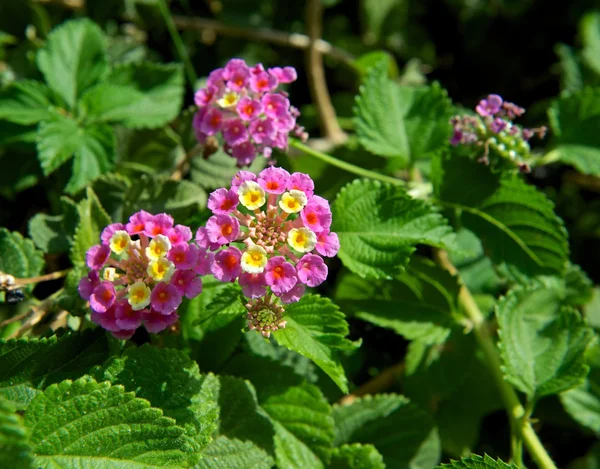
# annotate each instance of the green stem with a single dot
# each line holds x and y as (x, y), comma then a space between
(519, 418)
(551, 157)
(176, 38)
(344, 165)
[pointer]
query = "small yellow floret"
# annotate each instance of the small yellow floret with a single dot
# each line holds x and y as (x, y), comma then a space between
(110, 274)
(119, 241)
(229, 99)
(293, 201)
(251, 195)
(138, 296)
(254, 260)
(302, 239)
(158, 247)
(161, 270)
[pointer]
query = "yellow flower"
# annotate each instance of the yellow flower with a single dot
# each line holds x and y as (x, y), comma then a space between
(229, 99)
(161, 270)
(293, 201)
(119, 242)
(110, 274)
(251, 195)
(158, 247)
(302, 239)
(254, 260)
(138, 296)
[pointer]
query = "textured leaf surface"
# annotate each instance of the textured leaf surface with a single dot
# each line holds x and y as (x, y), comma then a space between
(25, 102)
(379, 226)
(575, 119)
(356, 456)
(137, 95)
(218, 169)
(400, 121)
(29, 365)
(542, 343)
(229, 453)
(73, 58)
(18, 255)
(515, 222)
(92, 220)
(316, 328)
(401, 432)
(170, 381)
(14, 443)
(87, 425)
(48, 233)
(477, 462)
(418, 304)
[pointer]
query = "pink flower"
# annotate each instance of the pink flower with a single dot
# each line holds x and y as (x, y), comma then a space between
(273, 180)
(204, 263)
(233, 66)
(102, 297)
(302, 182)
(205, 96)
(248, 108)
(87, 284)
(222, 229)
(97, 256)
(285, 124)
(328, 244)
(262, 82)
(280, 275)
(294, 294)
(106, 319)
(241, 177)
(223, 201)
(285, 74)
(226, 266)
(109, 231)
(155, 322)
(203, 241)
(316, 216)
(244, 153)
(184, 256)
(234, 132)
(489, 106)
(275, 105)
(124, 334)
(187, 283)
(262, 130)
(180, 234)
(253, 285)
(238, 79)
(211, 122)
(498, 125)
(159, 224)
(311, 270)
(165, 298)
(126, 317)
(137, 222)
(215, 77)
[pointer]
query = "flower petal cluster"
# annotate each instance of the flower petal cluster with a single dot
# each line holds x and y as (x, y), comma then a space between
(493, 129)
(139, 274)
(270, 233)
(244, 105)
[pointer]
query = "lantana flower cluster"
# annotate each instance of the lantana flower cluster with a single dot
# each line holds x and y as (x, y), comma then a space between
(245, 106)
(270, 233)
(494, 130)
(139, 274)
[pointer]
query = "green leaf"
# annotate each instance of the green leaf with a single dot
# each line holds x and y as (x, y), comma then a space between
(589, 29)
(29, 365)
(379, 226)
(574, 119)
(571, 78)
(14, 439)
(73, 58)
(47, 232)
(170, 381)
(218, 169)
(418, 304)
(400, 121)
(136, 95)
(401, 432)
(26, 102)
(375, 14)
(356, 456)
(95, 425)
(229, 453)
(542, 343)
(93, 147)
(18, 255)
(92, 220)
(515, 222)
(112, 189)
(477, 462)
(316, 328)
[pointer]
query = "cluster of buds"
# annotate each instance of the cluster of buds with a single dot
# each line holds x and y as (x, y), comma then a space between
(243, 104)
(270, 233)
(493, 129)
(140, 273)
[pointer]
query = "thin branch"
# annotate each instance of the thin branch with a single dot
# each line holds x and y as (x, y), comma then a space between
(183, 166)
(382, 382)
(316, 75)
(42, 278)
